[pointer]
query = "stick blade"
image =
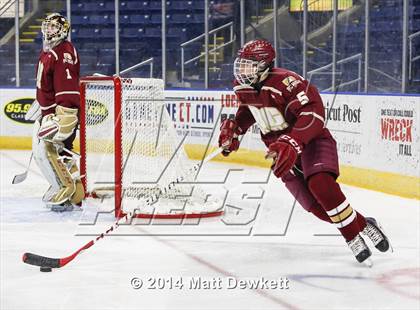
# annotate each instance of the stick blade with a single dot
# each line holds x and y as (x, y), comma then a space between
(19, 178)
(41, 261)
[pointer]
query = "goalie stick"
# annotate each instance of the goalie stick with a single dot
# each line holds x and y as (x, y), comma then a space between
(19, 178)
(33, 114)
(43, 261)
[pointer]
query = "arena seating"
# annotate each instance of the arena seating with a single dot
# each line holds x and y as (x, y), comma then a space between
(385, 49)
(140, 38)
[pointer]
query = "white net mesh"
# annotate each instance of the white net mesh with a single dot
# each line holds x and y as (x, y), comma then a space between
(152, 155)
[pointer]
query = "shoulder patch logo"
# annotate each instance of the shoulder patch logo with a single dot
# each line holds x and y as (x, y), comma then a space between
(67, 58)
(290, 83)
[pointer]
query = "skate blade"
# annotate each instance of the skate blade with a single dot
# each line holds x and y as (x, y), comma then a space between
(386, 236)
(368, 262)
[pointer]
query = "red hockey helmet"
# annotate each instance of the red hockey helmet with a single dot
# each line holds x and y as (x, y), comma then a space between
(254, 59)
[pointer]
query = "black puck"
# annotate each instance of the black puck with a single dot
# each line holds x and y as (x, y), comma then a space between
(45, 269)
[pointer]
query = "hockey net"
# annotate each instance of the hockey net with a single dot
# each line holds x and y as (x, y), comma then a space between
(130, 151)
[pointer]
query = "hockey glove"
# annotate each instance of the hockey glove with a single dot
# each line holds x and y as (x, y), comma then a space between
(284, 153)
(228, 139)
(59, 126)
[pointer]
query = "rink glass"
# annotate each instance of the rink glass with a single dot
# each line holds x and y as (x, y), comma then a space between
(374, 65)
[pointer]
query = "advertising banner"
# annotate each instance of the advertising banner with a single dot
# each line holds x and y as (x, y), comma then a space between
(374, 133)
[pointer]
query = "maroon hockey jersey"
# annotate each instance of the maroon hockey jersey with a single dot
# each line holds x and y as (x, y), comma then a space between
(57, 81)
(284, 103)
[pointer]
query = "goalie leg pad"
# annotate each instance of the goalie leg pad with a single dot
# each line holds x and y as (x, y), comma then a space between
(66, 183)
(79, 193)
(59, 126)
(76, 198)
(40, 156)
(68, 186)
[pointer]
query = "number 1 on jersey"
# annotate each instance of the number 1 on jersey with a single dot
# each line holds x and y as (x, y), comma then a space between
(68, 74)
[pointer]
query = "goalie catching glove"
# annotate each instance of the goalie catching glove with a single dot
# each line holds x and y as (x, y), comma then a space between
(228, 138)
(284, 153)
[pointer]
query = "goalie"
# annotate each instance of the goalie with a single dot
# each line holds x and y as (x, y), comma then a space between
(290, 115)
(55, 112)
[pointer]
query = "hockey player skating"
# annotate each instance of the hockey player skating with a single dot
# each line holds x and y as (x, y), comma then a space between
(55, 112)
(290, 115)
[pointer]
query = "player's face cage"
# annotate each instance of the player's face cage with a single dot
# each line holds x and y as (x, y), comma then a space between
(246, 71)
(54, 29)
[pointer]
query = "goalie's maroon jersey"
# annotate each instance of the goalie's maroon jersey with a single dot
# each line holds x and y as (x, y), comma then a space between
(285, 103)
(58, 73)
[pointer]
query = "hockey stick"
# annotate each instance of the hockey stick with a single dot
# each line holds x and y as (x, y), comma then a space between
(47, 262)
(19, 178)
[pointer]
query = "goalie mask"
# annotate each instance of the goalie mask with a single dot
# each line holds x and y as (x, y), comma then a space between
(254, 61)
(55, 28)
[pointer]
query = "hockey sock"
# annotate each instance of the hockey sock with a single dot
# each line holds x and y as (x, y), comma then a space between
(320, 213)
(361, 220)
(329, 195)
(299, 189)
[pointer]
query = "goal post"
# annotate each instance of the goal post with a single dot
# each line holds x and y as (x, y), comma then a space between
(130, 150)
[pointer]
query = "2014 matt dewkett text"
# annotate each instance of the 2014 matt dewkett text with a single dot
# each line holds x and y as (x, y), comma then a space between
(209, 283)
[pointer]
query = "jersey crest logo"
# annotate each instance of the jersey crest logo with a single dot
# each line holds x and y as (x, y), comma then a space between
(290, 83)
(67, 58)
(268, 119)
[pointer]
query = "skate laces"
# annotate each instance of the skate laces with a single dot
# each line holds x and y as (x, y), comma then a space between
(373, 233)
(357, 245)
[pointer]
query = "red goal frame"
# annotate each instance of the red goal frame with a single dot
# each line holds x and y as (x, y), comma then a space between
(117, 136)
(118, 191)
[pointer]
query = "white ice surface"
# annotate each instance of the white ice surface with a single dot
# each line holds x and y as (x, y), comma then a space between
(278, 241)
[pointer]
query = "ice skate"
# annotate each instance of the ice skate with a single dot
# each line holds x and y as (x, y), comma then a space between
(359, 248)
(66, 206)
(376, 234)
